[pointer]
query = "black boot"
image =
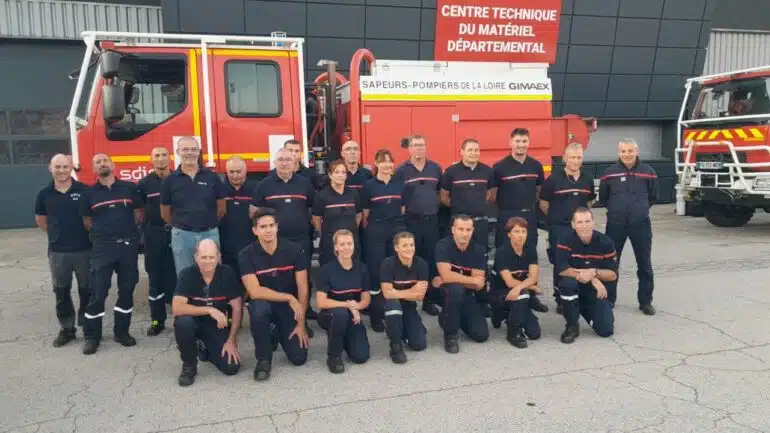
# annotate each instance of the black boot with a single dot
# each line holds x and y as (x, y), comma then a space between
(451, 343)
(570, 334)
(91, 346)
(378, 325)
(536, 305)
(335, 364)
(430, 307)
(262, 370)
(64, 337)
(397, 354)
(125, 340)
(155, 328)
(187, 377)
(647, 309)
(516, 337)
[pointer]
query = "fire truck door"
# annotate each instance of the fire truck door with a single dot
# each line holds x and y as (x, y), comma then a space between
(384, 128)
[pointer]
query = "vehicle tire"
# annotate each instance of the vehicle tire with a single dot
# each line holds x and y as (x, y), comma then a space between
(728, 216)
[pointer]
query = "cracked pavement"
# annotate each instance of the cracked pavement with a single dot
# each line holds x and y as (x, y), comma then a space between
(700, 365)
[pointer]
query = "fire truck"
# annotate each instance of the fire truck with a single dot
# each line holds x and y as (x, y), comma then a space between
(247, 95)
(723, 157)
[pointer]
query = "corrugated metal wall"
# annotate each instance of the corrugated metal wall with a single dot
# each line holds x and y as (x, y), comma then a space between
(729, 50)
(55, 19)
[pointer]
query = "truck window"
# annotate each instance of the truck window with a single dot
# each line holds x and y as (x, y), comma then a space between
(734, 98)
(155, 91)
(253, 88)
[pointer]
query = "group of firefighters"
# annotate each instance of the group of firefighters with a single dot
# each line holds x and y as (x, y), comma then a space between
(214, 248)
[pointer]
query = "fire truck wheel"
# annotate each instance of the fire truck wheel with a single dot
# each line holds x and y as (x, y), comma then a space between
(722, 215)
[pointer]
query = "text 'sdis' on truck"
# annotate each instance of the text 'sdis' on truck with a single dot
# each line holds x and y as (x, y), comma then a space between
(723, 157)
(247, 95)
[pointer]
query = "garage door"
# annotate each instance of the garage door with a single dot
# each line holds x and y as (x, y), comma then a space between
(604, 142)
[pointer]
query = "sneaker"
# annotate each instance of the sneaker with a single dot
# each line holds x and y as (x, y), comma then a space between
(397, 354)
(187, 377)
(125, 340)
(64, 337)
(155, 328)
(262, 370)
(335, 364)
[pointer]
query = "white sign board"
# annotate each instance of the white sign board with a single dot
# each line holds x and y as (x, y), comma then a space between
(449, 88)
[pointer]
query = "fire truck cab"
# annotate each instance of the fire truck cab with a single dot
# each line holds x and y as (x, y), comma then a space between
(246, 96)
(723, 153)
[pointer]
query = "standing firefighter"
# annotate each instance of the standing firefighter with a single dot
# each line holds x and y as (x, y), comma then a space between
(69, 249)
(627, 189)
(111, 210)
(235, 227)
(158, 257)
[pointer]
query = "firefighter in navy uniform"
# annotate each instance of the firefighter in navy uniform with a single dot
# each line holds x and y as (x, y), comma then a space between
(295, 149)
(516, 273)
(422, 182)
(343, 292)
(158, 257)
(235, 227)
(357, 176)
(274, 272)
(518, 178)
(628, 189)
(383, 217)
(462, 266)
(404, 281)
(111, 210)
(336, 207)
(466, 188)
(587, 266)
(564, 191)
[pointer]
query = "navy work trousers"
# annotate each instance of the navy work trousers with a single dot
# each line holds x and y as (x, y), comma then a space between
(262, 314)
(518, 313)
(160, 268)
(426, 235)
(107, 257)
(580, 299)
(345, 335)
(403, 323)
(379, 245)
(63, 265)
(640, 235)
(188, 330)
(555, 233)
(462, 311)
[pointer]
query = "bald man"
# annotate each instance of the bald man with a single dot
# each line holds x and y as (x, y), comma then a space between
(235, 228)
(206, 293)
(158, 257)
(69, 249)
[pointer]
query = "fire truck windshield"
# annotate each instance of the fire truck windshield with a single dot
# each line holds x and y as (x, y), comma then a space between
(734, 98)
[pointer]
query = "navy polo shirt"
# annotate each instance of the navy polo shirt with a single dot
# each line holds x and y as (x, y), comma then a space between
(357, 180)
(112, 210)
(572, 252)
(564, 194)
(420, 187)
(149, 190)
(468, 188)
(628, 193)
(517, 183)
(506, 259)
(308, 173)
(291, 200)
(224, 287)
(463, 262)
(403, 277)
(341, 284)
(383, 200)
(337, 210)
(66, 232)
(235, 227)
(193, 201)
(275, 271)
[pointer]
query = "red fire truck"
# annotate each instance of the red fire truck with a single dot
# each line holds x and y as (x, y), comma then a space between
(246, 95)
(723, 157)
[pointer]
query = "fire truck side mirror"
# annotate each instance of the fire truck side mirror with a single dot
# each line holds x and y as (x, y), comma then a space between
(113, 103)
(110, 63)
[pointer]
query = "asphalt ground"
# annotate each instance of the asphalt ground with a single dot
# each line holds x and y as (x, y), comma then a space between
(700, 365)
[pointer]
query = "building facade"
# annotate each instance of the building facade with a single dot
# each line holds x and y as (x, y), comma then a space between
(622, 61)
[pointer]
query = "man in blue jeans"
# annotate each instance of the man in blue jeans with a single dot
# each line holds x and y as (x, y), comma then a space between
(192, 201)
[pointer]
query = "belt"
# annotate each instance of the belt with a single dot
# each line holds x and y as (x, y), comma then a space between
(516, 210)
(194, 229)
(418, 217)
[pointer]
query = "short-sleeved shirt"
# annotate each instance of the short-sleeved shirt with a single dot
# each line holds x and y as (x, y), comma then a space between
(291, 200)
(356, 181)
(420, 187)
(403, 277)
(517, 182)
(235, 227)
(224, 287)
(275, 271)
(564, 194)
(506, 259)
(383, 200)
(193, 201)
(316, 180)
(468, 188)
(572, 252)
(463, 262)
(337, 210)
(149, 190)
(112, 210)
(342, 284)
(66, 232)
